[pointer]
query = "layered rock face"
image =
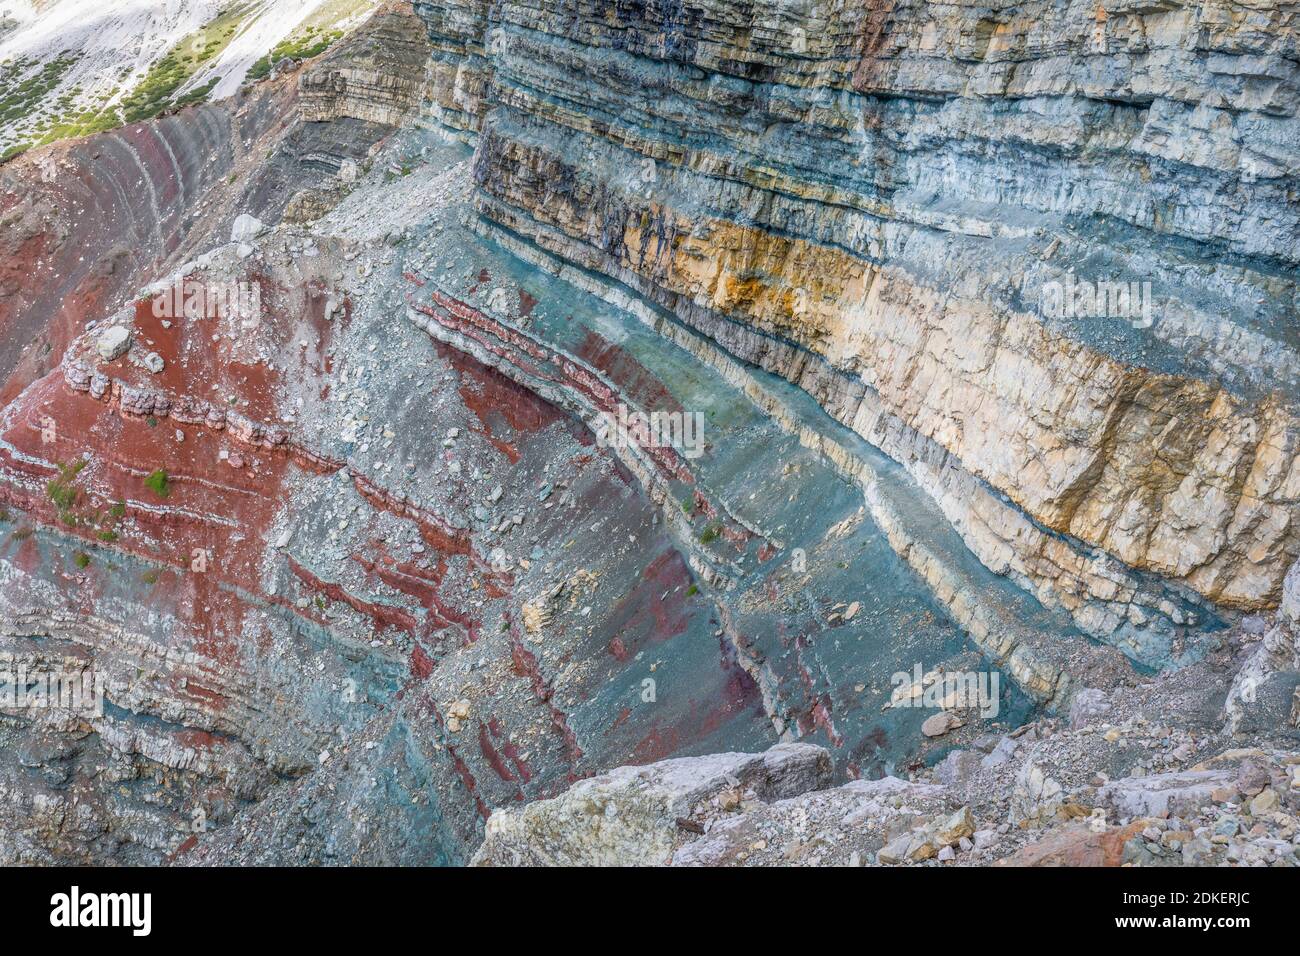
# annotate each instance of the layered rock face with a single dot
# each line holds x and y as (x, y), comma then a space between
(189, 727)
(376, 75)
(875, 202)
(459, 71)
(345, 587)
(129, 198)
(982, 320)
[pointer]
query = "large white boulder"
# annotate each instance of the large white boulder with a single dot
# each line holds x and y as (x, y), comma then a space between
(246, 228)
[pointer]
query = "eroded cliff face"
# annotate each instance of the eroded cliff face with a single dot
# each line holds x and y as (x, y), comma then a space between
(381, 77)
(869, 200)
(345, 587)
(361, 565)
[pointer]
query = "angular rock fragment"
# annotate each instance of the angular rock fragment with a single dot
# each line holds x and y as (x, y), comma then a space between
(113, 342)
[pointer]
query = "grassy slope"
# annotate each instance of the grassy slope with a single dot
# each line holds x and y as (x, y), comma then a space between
(24, 86)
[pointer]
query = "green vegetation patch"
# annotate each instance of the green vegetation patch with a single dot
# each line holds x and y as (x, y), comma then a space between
(157, 483)
(157, 91)
(25, 82)
(64, 493)
(23, 89)
(73, 511)
(311, 42)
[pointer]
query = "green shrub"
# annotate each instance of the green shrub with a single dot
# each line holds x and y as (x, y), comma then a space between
(157, 482)
(65, 496)
(295, 48)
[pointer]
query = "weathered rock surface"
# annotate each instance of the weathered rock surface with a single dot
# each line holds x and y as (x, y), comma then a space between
(353, 527)
(869, 202)
(637, 815)
(1153, 780)
(113, 342)
(375, 74)
(1193, 816)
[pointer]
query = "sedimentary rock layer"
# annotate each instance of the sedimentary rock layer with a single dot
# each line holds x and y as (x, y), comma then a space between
(364, 570)
(377, 74)
(871, 201)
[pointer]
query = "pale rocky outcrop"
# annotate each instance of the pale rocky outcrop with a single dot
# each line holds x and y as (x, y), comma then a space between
(630, 816)
(1169, 793)
(1239, 806)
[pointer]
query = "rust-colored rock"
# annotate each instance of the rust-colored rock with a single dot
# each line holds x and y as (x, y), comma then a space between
(1076, 846)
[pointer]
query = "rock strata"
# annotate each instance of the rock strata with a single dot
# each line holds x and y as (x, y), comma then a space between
(870, 202)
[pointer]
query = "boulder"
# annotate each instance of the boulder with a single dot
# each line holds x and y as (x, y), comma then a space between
(940, 723)
(114, 342)
(632, 815)
(1173, 793)
(1076, 846)
(246, 228)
